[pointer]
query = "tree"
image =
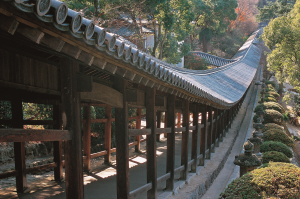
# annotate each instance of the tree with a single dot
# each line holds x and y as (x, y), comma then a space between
(195, 62)
(213, 18)
(283, 37)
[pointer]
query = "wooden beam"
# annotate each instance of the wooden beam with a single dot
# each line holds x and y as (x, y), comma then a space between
(19, 146)
(57, 145)
(84, 83)
(185, 139)
(70, 99)
(107, 135)
(122, 156)
(53, 42)
(138, 126)
(203, 136)
(195, 138)
(170, 141)
(137, 132)
(33, 34)
(8, 24)
(87, 138)
(151, 142)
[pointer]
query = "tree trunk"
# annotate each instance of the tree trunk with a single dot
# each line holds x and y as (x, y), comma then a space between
(204, 44)
(162, 45)
(96, 8)
(155, 39)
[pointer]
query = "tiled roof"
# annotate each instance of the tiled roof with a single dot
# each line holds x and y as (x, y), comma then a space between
(213, 60)
(223, 86)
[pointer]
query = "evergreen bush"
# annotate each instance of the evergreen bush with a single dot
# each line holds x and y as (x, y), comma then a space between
(272, 116)
(273, 180)
(274, 94)
(277, 135)
(270, 105)
(276, 146)
(271, 126)
(270, 83)
(274, 156)
(270, 99)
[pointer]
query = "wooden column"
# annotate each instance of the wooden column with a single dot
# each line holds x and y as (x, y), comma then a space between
(151, 142)
(195, 138)
(138, 126)
(87, 138)
(19, 147)
(222, 126)
(57, 146)
(216, 127)
(210, 131)
(107, 135)
(158, 116)
(122, 149)
(185, 139)
(178, 120)
(203, 136)
(70, 99)
(171, 117)
(166, 120)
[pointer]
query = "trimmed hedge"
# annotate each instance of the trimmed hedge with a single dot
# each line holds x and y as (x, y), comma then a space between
(274, 94)
(274, 156)
(276, 146)
(279, 180)
(270, 83)
(277, 135)
(270, 99)
(270, 105)
(270, 89)
(271, 116)
(271, 126)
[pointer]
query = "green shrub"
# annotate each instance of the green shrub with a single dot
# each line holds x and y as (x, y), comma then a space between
(270, 83)
(270, 105)
(270, 89)
(277, 135)
(271, 126)
(276, 146)
(280, 180)
(269, 99)
(272, 116)
(274, 156)
(255, 117)
(274, 94)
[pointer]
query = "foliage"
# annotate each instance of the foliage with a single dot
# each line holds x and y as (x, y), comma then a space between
(277, 135)
(274, 156)
(5, 112)
(276, 146)
(269, 99)
(195, 62)
(296, 106)
(280, 180)
(274, 94)
(272, 116)
(271, 126)
(285, 116)
(270, 90)
(267, 82)
(269, 105)
(282, 35)
(255, 118)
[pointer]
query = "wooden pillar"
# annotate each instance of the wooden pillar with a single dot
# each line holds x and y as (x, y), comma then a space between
(210, 131)
(57, 146)
(216, 127)
(178, 120)
(158, 116)
(222, 131)
(87, 138)
(151, 142)
(107, 135)
(19, 147)
(203, 136)
(166, 120)
(138, 126)
(122, 149)
(195, 138)
(185, 139)
(70, 99)
(170, 141)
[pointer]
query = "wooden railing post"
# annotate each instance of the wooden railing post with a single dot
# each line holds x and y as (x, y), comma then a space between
(122, 149)
(151, 142)
(57, 145)
(216, 127)
(195, 138)
(203, 137)
(70, 99)
(185, 139)
(158, 115)
(210, 131)
(87, 138)
(138, 126)
(19, 147)
(170, 119)
(107, 135)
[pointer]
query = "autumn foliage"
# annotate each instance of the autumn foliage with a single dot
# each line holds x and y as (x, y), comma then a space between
(195, 62)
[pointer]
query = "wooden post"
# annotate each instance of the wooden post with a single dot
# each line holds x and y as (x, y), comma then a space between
(170, 119)
(158, 115)
(70, 99)
(57, 146)
(138, 126)
(185, 139)
(166, 120)
(19, 147)
(178, 120)
(210, 131)
(107, 135)
(203, 136)
(216, 127)
(151, 142)
(122, 149)
(195, 138)
(87, 138)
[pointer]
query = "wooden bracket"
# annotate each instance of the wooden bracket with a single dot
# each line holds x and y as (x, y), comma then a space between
(84, 83)
(8, 24)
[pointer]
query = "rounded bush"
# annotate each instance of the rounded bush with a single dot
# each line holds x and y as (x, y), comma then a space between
(274, 156)
(276, 179)
(255, 117)
(269, 99)
(277, 135)
(270, 105)
(276, 146)
(274, 94)
(270, 83)
(268, 89)
(271, 126)
(272, 116)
